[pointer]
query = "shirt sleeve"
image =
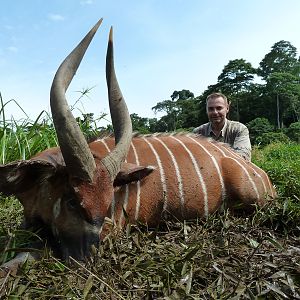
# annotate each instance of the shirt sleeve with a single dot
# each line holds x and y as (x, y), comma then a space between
(196, 130)
(202, 129)
(242, 143)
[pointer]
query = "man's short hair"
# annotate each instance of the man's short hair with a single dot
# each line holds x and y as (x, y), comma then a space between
(217, 95)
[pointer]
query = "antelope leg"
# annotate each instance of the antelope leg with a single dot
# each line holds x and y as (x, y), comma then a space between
(13, 265)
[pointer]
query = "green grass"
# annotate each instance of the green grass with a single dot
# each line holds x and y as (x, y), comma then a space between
(224, 257)
(282, 163)
(22, 139)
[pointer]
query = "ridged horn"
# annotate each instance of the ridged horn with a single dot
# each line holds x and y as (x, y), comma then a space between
(75, 150)
(119, 114)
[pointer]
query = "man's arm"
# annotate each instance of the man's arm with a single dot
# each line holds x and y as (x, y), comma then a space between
(196, 130)
(242, 143)
(202, 129)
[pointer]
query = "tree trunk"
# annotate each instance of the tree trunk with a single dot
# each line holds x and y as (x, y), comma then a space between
(237, 110)
(278, 112)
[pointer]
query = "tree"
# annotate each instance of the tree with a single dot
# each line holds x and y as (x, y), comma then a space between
(285, 90)
(280, 69)
(181, 111)
(236, 77)
(170, 108)
(282, 58)
(89, 126)
(139, 124)
(188, 112)
(276, 99)
(235, 82)
(182, 95)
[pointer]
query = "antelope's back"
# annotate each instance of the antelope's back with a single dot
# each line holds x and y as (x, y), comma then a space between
(193, 177)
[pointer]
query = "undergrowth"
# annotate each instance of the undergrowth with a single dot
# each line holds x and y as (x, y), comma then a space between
(223, 257)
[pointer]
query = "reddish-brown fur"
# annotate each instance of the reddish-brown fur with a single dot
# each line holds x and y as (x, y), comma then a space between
(234, 171)
(184, 176)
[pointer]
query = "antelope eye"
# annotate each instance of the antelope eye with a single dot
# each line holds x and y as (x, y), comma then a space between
(71, 203)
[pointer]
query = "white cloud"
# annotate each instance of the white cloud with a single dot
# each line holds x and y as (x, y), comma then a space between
(13, 49)
(56, 17)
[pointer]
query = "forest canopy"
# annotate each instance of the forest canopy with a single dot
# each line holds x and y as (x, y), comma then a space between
(270, 92)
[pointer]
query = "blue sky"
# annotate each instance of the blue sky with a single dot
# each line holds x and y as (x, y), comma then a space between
(160, 46)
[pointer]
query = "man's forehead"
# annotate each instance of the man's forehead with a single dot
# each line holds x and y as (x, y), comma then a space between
(219, 101)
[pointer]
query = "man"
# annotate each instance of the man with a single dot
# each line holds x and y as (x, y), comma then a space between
(221, 129)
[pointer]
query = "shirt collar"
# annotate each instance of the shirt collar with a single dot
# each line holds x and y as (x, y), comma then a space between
(210, 131)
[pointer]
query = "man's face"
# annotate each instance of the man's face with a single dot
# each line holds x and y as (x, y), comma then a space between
(217, 110)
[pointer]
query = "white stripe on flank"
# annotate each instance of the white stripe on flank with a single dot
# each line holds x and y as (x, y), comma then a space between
(237, 161)
(269, 183)
(198, 173)
(246, 172)
(162, 174)
(105, 145)
(178, 175)
(249, 177)
(219, 149)
(216, 166)
(233, 153)
(138, 185)
(258, 175)
(250, 165)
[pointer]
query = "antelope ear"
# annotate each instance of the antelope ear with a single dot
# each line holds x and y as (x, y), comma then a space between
(20, 176)
(132, 172)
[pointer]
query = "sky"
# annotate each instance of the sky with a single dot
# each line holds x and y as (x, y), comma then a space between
(160, 46)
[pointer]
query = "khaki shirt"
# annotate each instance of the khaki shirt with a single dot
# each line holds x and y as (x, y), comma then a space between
(233, 133)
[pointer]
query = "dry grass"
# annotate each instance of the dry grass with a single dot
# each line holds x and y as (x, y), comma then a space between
(224, 257)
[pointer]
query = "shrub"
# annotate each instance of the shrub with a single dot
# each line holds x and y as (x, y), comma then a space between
(293, 132)
(281, 162)
(258, 127)
(272, 137)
